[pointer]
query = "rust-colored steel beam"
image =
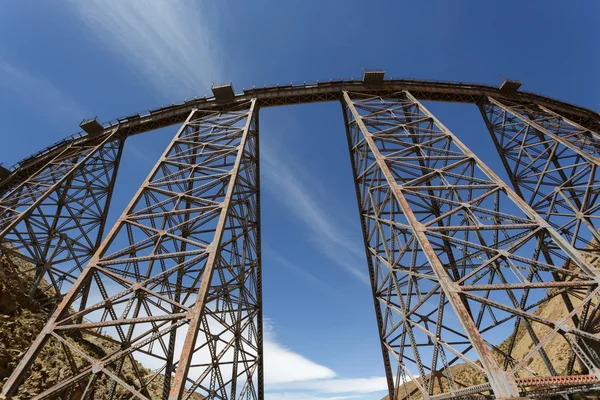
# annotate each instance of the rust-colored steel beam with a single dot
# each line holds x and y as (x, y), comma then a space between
(307, 93)
(52, 223)
(456, 259)
(372, 264)
(501, 385)
(198, 313)
(182, 261)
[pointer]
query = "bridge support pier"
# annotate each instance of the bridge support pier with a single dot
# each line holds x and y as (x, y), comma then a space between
(182, 261)
(446, 240)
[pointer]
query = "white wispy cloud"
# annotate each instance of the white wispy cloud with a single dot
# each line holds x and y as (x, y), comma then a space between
(339, 385)
(298, 270)
(289, 375)
(37, 92)
(292, 187)
(169, 42)
(284, 366)
(304, 396)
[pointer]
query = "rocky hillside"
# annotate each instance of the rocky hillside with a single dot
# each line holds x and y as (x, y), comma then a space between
(22, 319)
(557, 351)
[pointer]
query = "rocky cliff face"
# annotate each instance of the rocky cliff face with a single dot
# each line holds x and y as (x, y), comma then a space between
(22, 319)
(557, 350)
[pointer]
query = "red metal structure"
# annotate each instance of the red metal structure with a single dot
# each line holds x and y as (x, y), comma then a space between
(462, 265)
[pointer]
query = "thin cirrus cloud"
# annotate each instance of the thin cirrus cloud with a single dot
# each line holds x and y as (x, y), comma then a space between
(292, 187)
(36, 91)
(168, 42)
(298, 270)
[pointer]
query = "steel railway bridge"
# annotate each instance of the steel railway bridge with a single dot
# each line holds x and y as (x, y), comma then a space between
(463, 265)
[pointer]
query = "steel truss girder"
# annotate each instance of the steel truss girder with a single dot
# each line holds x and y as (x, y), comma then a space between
(52, 223)
(455, 259)
(307, 93)
(182, 262)
(552, 163)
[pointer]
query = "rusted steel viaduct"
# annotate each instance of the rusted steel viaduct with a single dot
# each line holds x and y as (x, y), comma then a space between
(463, 265)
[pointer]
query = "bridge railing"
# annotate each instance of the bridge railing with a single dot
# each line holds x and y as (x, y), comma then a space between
(248, 91)
(46, 150)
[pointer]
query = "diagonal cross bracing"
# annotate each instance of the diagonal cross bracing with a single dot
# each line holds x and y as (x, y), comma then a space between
(553, 164)
(175, 285)
(473, 283)
(52, 223)
(456, 261)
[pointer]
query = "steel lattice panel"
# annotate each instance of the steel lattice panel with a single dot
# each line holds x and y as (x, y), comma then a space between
(553, 164)
(455, 257)
(52, 223)
(184, 253)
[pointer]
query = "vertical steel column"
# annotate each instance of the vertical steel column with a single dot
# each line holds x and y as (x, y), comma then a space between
(52, 223)
(358, 165)
(181, 262)
(553, 165)
(229, 292)
(456, 261)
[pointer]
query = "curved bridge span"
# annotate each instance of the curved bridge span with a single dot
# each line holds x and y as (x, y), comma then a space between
(481, 287)
(281, 95)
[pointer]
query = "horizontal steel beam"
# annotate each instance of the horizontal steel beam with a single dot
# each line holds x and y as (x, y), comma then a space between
(309, 93)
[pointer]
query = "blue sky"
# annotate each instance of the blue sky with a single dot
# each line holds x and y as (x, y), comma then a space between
(65, 60)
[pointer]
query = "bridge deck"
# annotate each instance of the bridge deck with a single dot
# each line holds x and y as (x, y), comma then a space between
(281, 95)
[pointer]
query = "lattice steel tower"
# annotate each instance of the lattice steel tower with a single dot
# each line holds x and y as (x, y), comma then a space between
(463, 266)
